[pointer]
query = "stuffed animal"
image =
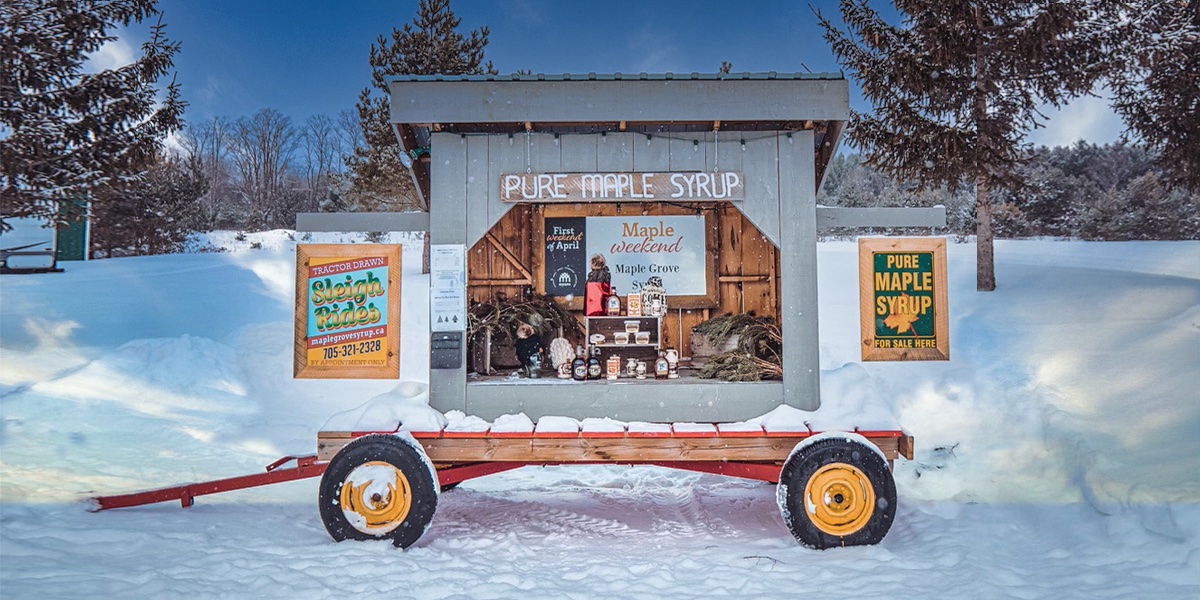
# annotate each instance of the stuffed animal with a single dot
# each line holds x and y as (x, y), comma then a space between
(599, 272)
(598, 287)
(529, 348)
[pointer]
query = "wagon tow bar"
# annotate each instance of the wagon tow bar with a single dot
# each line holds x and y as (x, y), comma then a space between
(305, 467)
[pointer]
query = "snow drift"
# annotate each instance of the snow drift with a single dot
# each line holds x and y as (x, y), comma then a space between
(1057, 452)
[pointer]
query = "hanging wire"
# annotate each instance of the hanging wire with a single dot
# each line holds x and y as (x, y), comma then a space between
(684, 136)
(716, 151)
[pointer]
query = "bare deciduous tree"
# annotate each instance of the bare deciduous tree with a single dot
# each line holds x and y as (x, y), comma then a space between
(261, 149)
(322, 154)
(206, 147)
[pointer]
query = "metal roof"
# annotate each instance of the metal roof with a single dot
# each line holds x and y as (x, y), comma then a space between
(622, 77)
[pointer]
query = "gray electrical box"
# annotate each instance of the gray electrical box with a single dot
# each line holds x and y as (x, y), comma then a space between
(446, 350)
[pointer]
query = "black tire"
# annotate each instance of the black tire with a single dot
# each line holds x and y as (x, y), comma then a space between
(853, 495)
(400, 511)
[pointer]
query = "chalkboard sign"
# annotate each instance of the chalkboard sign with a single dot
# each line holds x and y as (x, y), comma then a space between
(565, 256)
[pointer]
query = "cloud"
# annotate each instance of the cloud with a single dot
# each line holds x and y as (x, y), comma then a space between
(655, 51)
(211, 89)
(524, 11)
(112, 55)
(1088, 118)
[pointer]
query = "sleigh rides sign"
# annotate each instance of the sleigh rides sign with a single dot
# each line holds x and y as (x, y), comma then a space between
(347, 311)
(902, 296)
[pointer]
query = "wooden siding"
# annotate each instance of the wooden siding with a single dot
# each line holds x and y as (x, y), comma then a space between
(747, 263)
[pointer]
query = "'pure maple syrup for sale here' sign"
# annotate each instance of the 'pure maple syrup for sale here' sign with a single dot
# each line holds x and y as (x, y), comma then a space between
(902, 293)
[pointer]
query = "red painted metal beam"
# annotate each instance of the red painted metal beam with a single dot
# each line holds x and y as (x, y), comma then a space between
(306, 467)
(768, 472)
(461, 473)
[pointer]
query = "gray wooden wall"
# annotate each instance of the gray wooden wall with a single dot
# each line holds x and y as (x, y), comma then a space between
(778, 171)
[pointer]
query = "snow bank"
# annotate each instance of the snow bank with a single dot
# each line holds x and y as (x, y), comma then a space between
(404, 408)
(1069, 382)
(1056, 453)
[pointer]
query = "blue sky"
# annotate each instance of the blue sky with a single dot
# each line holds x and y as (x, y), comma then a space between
(303, 58)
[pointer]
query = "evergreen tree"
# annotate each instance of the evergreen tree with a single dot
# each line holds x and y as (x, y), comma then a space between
(430, 45)
(152, 216)
(957, 85)
(65, 133)
(1156, 82)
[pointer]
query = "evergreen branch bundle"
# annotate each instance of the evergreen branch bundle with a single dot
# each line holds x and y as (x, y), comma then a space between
(759, 353)
(502, 316)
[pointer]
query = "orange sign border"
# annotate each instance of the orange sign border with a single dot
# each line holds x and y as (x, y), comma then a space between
(304, 253)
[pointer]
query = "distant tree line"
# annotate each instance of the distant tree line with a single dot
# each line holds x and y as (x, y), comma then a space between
(257, 172)
(1086, 191)
(248, 173)
(955, 89)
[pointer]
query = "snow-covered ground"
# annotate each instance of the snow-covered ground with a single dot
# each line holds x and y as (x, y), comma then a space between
(1058, 452)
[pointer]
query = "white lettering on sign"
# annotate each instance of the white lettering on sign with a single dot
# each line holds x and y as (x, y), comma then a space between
(717, 186)
(621, 187)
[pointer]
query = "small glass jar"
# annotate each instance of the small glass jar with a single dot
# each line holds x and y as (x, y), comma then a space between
(612, 367)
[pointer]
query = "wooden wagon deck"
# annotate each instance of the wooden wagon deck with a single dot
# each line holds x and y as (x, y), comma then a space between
(652, 444)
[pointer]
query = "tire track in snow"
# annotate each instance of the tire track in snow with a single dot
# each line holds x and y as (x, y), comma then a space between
(467, 512)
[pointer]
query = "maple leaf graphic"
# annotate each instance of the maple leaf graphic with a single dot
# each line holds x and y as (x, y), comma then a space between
(901, 322)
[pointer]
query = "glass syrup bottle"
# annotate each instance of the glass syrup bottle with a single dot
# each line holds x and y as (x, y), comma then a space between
(579, 369)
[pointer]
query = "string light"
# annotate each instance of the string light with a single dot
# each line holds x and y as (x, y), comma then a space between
(716, 151)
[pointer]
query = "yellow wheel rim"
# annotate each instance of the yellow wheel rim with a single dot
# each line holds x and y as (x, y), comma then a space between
(839, 499)
(376, 497)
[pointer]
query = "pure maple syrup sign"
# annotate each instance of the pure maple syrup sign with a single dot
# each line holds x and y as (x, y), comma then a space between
(902, 292)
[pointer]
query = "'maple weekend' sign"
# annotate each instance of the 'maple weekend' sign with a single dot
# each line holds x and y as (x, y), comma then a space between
(902, 292)
(671, 247)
